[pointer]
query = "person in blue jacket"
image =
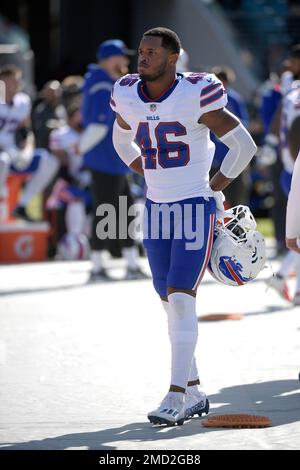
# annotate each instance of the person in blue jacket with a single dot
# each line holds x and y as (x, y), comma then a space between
(238, 191)
(109, 180)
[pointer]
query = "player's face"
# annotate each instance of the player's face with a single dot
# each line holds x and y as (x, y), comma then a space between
(154, 60)
(75, 120)
(295, 65)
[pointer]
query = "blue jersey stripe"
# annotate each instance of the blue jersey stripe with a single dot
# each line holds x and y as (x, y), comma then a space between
(212, 98)
(210, 88)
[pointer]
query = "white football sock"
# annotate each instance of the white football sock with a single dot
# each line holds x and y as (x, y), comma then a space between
(177, 396)
(193, 375)
(131, 256)
(75, 217)
(97, 259)
(47, 169)
(288, 264)
(184, 334)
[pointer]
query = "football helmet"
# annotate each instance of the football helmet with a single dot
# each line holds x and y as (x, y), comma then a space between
(72, 247)
(238, 253)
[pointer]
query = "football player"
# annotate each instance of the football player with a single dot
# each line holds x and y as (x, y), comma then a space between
(168, 116)
(289, 146)
(292, 215)
(16, 146)
(72, 189)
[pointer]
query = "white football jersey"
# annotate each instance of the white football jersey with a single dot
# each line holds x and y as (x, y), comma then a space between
(290, 110)
(67, 139)
(11, 115)
(176, 150)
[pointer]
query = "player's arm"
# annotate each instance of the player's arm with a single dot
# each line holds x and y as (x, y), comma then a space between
(239, 142)
(96, 123)
(61, 155)
(292, 214)
(123, 140)
(294, 138)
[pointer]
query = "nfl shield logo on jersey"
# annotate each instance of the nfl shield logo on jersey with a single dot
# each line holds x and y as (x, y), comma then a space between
(153, 107)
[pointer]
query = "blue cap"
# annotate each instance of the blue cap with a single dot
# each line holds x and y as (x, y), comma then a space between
(112, 47)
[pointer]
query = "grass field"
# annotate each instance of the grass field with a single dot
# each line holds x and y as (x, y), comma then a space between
(266, 227)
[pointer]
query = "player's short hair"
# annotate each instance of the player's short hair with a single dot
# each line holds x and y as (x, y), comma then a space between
(170, 40)
(9, 70)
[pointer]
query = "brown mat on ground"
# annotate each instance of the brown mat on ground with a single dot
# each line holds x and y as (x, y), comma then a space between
(220, 316)
(237, 421)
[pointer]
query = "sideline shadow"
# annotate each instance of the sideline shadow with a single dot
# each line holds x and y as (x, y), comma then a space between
(264, 398)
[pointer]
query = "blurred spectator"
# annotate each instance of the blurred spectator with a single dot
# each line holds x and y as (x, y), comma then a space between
(268, 162)
(275, 126)
(72, 90)
(109, 179)
(289, 144)
(16, 143)
(270, 101)
(239, 190)
(48, 114)
(71, 191)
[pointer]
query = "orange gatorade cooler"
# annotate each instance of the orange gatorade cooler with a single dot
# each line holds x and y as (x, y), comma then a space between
(22, 242)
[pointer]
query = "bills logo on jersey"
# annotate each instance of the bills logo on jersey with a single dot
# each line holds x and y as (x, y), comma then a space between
(153, 107)
(152, 118)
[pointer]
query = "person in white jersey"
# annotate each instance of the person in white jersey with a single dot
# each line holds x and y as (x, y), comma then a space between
(290, 113)
(72, 189)
(293, 211)
(161, 131)
(16, 147)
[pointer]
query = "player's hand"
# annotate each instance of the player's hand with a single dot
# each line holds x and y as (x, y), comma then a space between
(219, 198)
(293, 244)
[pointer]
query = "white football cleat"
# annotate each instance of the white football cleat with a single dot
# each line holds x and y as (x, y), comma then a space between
(196, 403)
(171, 411)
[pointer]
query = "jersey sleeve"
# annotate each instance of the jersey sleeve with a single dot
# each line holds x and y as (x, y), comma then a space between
(116, 95)
(119, 90)
(213, 95)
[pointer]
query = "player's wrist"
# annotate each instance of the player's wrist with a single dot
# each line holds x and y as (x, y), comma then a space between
(219, 182)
